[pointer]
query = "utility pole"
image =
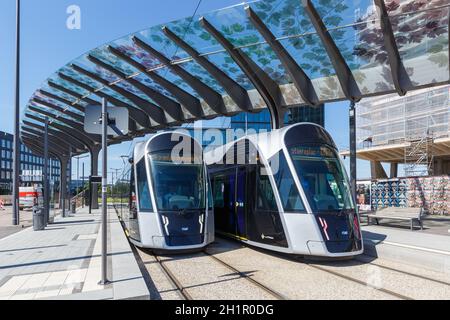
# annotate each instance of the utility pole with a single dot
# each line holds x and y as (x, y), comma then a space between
(16, 155)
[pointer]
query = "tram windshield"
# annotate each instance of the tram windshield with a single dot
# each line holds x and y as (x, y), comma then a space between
(322, 177)
(178, 186)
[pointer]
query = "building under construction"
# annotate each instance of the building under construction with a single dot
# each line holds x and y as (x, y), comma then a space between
(412, 130)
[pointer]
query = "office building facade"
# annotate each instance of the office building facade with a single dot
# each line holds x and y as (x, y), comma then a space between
(31, 166)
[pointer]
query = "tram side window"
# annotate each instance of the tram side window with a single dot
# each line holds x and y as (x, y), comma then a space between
(265, 200)
(132, 200)
(290, 197)
(219, 189)
(145, 203)
(210, 195)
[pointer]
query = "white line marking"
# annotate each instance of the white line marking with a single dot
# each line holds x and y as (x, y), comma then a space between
(447, 253)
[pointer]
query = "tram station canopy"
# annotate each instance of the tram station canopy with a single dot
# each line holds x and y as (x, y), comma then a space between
(274, 54)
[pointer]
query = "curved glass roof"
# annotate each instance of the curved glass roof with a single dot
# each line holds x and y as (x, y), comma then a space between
(229, 61)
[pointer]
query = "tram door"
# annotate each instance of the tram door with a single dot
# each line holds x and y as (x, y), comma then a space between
(241, 202)
(230, 201)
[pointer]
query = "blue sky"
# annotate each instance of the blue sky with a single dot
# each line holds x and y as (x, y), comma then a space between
(47, 45)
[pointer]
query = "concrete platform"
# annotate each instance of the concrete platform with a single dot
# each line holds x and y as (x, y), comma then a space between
(64, 262)
(6, 227)
(426, 250)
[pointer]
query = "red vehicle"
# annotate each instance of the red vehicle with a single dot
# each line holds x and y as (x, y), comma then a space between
(30, 197)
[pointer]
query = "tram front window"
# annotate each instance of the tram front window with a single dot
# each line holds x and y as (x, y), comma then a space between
(323, 178)
(177, 186)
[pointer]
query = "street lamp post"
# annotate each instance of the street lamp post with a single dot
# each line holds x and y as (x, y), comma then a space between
(16, 155)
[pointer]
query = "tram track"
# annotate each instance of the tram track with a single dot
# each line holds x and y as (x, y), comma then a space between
(172, 278)
(272, 292)
(363, 283)
(183, 291)
(188, 290)
(343, 276)
(405, 273)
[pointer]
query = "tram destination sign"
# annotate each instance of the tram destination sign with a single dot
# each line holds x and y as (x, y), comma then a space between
(117, 120)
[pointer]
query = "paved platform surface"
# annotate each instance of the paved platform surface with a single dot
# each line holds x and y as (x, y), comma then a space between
(439, 225)
(6, 227)
(64, 262)
(426, 249)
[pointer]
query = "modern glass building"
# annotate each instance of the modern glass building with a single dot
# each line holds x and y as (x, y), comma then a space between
(261, 121)
(257, 122)
(31, 166)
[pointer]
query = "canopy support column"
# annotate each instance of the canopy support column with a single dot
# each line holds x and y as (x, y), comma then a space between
(45, 173)
(95, 151)
(63, 185)
(353, 161)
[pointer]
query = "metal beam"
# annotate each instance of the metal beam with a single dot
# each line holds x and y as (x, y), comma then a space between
(78, 143)
(39, 140)
(57, 134)
(90, 143)
(343, 72)
(172, 107)
(79, 128)
(73, 93)
(59, 117)
(40, 151)
(209, 95)
(74, 125)
(266, 86)
(69, 113)
(301, 81)
(236, 92)
(400, 77)
(190, 102)
(137, 115)
(61, 138)
(53, 139)
(152, 110)
(62, 100)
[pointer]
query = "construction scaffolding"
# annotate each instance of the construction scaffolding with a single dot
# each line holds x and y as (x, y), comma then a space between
(415, 121)
(419, 157)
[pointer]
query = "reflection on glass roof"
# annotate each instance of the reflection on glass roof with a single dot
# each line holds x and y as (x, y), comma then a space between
(420, 32)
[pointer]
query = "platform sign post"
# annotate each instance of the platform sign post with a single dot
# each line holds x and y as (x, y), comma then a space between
(106, 121)
(104, 280)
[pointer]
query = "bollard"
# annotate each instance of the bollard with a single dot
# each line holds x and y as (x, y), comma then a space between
(74, 207)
